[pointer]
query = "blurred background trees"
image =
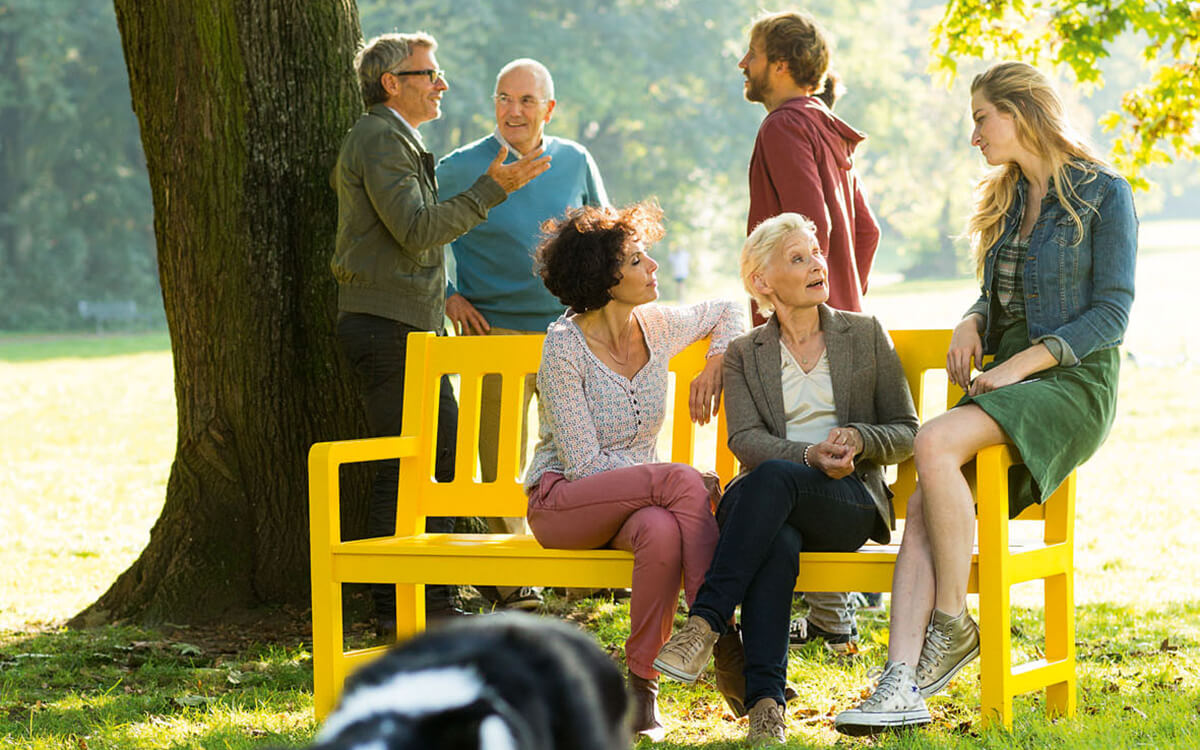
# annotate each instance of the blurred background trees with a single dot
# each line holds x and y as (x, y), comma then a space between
(650, 86)
(75, 213)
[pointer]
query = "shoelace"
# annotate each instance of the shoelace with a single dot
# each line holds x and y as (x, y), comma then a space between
(799, 628)
(765, 722)
(938, 642)
(690, 642)
(888, 685)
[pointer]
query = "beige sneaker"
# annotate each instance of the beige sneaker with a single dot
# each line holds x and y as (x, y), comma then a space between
(896, 703)
(767, 725)
(684, 656)
(950, 644)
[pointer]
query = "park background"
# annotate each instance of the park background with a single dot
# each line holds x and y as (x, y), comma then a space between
(89, 421)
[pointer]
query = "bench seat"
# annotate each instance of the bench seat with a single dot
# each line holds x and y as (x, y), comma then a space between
(411, 557)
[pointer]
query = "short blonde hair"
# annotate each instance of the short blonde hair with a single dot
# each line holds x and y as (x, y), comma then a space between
(762, 245)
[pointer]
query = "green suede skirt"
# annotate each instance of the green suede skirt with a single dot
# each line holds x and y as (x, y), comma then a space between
(1056, 418)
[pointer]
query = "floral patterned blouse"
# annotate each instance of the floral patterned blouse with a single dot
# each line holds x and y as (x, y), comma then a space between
(592, 419)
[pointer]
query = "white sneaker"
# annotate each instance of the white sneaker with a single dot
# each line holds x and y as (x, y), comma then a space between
(896, 703)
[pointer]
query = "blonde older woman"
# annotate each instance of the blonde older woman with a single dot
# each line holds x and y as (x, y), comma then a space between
(817, 404)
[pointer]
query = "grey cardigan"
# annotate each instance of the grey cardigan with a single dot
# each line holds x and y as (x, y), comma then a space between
(869, 393)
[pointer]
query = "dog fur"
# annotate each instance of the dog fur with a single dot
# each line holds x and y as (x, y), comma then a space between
(496, 682)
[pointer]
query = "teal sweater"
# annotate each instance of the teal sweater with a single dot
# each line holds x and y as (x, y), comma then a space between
(494, 261)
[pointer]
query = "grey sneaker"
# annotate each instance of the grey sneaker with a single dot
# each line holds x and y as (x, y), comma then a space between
(525, 598)
(801, 631)
(950, 644)
(684, 656)
(767, 725)
(896, 703)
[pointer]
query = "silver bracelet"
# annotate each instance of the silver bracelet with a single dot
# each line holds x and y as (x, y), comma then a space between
(805, 458)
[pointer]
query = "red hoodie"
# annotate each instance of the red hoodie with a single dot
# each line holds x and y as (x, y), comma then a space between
(803, 162)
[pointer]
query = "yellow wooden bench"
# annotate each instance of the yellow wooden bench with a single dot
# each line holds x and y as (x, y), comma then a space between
(412, 558)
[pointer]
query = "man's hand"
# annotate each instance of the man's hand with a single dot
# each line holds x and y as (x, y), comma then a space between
(704, 399)
(965, 347)
(834, 460)
(466, 319)
(512, 177)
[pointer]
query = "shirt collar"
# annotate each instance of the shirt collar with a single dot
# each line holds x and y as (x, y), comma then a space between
(511, 149)
(407, 126)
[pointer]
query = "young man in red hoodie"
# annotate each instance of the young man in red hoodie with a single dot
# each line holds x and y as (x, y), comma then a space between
(803, 155)
(803, 162)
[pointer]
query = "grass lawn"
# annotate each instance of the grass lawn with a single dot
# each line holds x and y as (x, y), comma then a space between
(88, 436)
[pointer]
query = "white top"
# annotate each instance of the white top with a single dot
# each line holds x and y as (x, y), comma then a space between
(592, 419)
(807, 399)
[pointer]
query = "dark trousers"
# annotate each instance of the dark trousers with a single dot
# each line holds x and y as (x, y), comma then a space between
(377, 349)
(766, 519)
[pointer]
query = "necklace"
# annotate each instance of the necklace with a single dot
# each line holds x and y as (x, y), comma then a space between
(796, 348)
(610, 349)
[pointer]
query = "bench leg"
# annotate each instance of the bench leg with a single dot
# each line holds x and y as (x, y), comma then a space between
(329, 667)
(1060, 642)
(995, 664)
(410, 610)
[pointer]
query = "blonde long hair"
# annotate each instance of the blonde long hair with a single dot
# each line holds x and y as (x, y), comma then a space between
(1022, 92)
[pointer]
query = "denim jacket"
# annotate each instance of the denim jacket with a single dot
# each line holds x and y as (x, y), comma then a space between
(1077, 293)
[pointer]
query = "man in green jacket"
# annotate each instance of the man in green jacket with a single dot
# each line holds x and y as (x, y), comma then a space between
(389, 259)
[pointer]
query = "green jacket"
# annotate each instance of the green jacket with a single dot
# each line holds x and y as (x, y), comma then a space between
(389, 256)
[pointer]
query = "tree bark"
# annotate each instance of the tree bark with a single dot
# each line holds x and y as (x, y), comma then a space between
(242, 106)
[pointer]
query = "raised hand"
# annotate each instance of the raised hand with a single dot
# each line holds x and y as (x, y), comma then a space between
(512, 177)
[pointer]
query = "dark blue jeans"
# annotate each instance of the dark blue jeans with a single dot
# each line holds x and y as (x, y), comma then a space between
(766, 519)
(377, 349)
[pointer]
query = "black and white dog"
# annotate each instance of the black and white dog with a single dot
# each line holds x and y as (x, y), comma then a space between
(495, 682)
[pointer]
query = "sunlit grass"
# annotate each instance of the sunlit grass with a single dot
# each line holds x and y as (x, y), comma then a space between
(89, 434)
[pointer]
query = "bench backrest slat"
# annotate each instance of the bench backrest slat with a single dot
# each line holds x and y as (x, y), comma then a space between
(922, 352)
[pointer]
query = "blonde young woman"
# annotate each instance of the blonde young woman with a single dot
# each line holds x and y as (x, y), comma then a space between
(1054, 235)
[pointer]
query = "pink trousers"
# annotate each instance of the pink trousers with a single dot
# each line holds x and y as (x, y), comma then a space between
(660, 513)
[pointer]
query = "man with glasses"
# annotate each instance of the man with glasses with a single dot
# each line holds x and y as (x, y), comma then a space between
(497, 292)
(389, 258)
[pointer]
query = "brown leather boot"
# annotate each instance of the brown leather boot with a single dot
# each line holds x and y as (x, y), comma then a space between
(729, 661)
(646, 721)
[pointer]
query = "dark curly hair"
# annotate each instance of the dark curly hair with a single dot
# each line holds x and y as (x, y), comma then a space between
(579, 258)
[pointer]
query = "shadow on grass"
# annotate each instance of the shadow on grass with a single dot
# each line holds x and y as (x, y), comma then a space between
(39, 347)
(127, 687)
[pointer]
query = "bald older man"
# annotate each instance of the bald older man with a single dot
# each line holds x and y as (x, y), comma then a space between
(496, 291)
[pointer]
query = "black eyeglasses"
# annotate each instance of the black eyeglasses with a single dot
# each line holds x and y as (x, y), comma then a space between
(433, 73)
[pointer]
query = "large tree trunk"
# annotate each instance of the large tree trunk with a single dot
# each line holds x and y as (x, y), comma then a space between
(242, 106)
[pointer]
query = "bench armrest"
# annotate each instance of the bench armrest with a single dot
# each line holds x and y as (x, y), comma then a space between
(356, 451)
(324, 479)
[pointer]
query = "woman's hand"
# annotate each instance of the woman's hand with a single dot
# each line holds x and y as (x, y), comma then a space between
(1013, 370)
(847, 436)
(835, 460)
(705, 397)
(966, 347)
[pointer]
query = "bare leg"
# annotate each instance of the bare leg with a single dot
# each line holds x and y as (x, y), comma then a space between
(912, 588)
(942, 447)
